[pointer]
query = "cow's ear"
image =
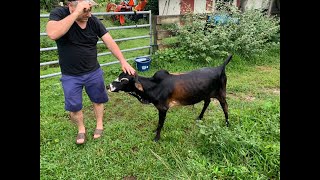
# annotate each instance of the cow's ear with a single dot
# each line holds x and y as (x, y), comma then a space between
(138, 86)
(137, 83)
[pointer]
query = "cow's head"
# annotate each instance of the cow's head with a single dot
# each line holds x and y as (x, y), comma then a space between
(129, 84)
(126, 83)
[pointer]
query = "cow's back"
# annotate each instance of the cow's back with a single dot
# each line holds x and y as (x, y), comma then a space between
(192, 87)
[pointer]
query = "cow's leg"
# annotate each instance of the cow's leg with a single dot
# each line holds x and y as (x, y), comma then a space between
(206, 104)
(224, 105)
(162, 117)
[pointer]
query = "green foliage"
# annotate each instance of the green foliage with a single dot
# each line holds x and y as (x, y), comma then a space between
(45, 42)
(102, 4)
(47, 56)
(48, 4)
(162, 57)
(153, 6)
(254, 33)
(173, 41)
(245, 144)
(112, 1)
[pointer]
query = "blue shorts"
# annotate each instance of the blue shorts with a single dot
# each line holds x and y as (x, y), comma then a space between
(73, 85)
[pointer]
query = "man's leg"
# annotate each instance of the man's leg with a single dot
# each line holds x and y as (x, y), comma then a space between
(98, 111)
(72, 88)
(96, 90)
(77, 117)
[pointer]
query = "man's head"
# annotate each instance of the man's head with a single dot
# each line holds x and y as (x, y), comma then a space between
(84, 5)
(89, 1)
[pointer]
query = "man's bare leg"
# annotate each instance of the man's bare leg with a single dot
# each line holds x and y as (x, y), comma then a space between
(98, 110)
(77, 117)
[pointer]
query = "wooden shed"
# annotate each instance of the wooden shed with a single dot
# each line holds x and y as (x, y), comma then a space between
(179, 7)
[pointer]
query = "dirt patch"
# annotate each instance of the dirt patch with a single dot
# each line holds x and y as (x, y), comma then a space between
(272, 90)
(135, 149)
(264, 68)
(248, 98)
(276, 91)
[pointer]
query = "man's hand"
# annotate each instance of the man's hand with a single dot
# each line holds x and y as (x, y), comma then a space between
(82, 7)
(127, 68)
(114, 48)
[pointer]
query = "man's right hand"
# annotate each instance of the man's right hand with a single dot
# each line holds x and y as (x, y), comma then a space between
(82, 7)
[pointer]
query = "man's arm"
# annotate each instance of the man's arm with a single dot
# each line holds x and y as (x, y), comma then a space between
(56, 29)
(114, 48)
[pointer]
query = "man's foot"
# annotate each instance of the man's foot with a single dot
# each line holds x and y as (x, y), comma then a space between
(81, 138)
(97, 133)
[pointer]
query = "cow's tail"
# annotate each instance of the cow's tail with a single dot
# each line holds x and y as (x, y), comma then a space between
(227, 61)
(223, 66)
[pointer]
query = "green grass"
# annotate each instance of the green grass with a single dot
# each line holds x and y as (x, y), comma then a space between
(248, 149)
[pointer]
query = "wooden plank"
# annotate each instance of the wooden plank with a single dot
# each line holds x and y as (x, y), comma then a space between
(154, 32)
(159, 27)
(161, 34)
(169, 19)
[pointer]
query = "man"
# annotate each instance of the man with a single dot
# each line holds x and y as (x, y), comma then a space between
(76, 34)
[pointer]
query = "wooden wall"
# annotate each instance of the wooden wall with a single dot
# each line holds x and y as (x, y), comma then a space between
(159, 32)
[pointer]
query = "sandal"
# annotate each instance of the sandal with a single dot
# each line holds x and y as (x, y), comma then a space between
(81, 136)
(97, 132)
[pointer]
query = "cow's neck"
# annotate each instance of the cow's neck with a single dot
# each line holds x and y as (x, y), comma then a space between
(148, 89)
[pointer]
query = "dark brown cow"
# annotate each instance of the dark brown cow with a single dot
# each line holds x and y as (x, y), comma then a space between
(165, 90)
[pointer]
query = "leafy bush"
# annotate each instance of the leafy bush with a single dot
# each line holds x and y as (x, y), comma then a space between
(166, 56)
(48, 4)
(253, 33)
(153, 6)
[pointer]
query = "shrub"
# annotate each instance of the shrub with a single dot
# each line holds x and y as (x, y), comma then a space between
(167, 56)
(253, 33)
(153, 6)
(48, 4)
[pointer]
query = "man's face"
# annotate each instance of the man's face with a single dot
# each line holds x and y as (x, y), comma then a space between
(83, 17)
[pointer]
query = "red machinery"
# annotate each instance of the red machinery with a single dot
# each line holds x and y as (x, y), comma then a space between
(123, 6)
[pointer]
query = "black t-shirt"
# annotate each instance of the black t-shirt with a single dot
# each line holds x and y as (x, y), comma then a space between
(78, 47)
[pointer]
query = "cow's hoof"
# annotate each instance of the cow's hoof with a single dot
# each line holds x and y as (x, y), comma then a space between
(198, 120)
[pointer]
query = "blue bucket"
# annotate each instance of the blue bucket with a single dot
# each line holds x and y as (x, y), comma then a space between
(143, 63)
(222, 19)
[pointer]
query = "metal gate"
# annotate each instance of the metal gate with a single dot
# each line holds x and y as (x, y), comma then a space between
(100, 42)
